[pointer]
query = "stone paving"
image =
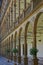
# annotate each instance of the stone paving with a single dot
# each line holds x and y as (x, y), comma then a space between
(4, 61)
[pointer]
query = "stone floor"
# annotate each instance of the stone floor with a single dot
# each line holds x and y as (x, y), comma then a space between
(4, 61)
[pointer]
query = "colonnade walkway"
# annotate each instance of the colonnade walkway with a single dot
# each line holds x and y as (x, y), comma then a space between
(4, 61)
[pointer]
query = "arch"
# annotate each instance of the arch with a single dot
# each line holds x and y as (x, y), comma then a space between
(19, 45)
(25, 36)
(12, 36)
(36, 21)
(28, 37)
(26, 27)
(21, 41)
(9, 40)
(12, 40)
(20, 32)
(15, 44)
(35, 28)
(15, 34)
(15, 39)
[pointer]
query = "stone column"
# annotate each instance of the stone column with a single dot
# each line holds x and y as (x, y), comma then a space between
(10, 17)
(8, 20)
(8, 48)
(0, 49)
(19, 52)
(24, 4)
(19, 7)
(24, 7)
(5, 48)
(15, 56)
(11, 47)
(35, 60)
(25, 51)
(15, 53)
(34, 44)
(14, 12)
(31, 2)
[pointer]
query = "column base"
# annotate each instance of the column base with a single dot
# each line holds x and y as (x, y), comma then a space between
(25, 61)
(19, 59)
(15, 58)
(35, 61)
(11, 57)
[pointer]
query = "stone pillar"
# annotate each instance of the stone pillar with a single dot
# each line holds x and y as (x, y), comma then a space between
(10, 17)
(8, 47)
(31, 2)
(19, 7)
(11, 47)
(19, 52)
(5, 48)
(14, 12)
(15, 47)
(24, 4)
(25, 52)
(7, 20)
(34, 44)
(0, 49)
(35, 60)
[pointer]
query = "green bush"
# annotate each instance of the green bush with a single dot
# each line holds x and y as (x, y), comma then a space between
(15, 50)
(8, 50)
(33, 51)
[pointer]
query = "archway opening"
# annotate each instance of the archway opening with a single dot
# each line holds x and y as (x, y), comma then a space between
(29, 38)
(39, 36)
(22, 42)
